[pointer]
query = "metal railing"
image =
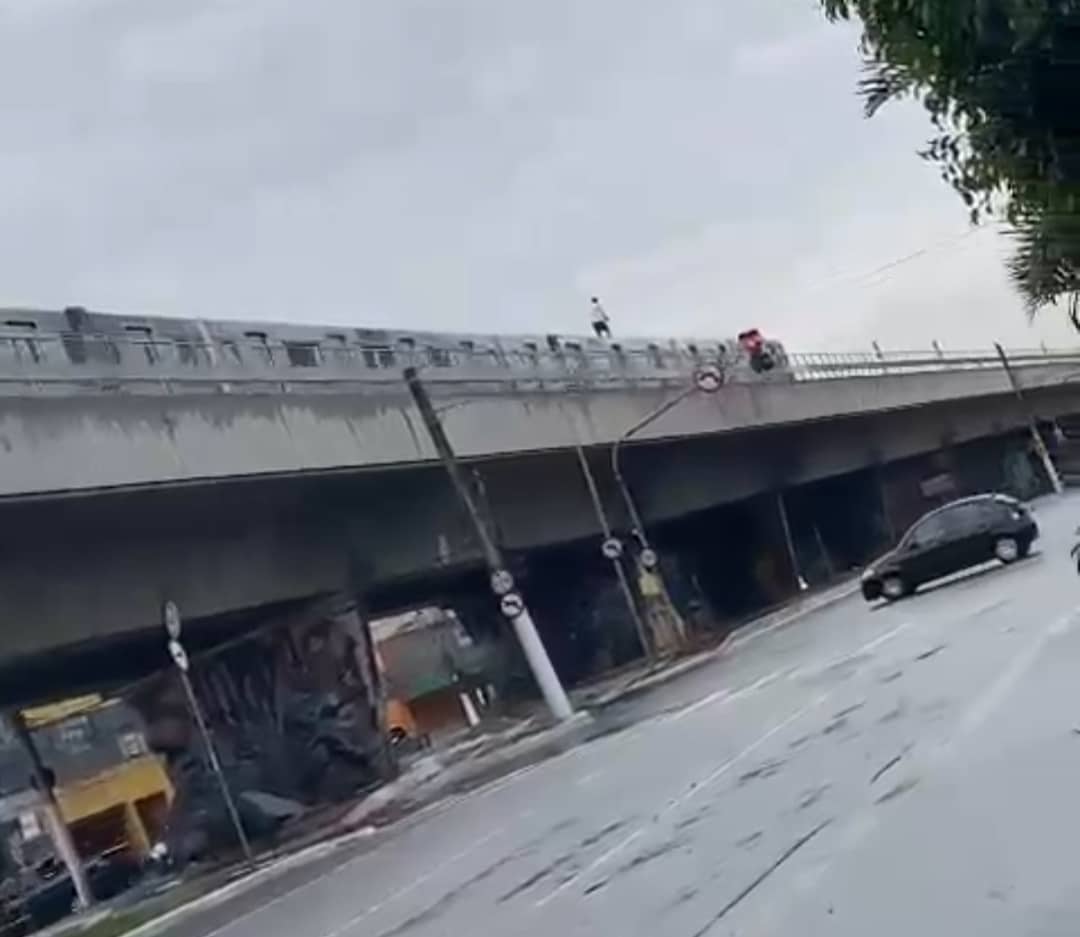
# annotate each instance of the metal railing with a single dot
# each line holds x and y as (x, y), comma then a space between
(42, 362)
(831, 365)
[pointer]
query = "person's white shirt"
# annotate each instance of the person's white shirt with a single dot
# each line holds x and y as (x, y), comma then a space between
(599, 314)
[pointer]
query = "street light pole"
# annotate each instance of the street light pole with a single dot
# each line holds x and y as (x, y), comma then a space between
(612, 549)
(1036, 436)
(707, 380)
(511, 604)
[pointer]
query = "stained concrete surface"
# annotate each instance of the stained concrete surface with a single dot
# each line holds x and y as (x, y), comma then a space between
(904, 769)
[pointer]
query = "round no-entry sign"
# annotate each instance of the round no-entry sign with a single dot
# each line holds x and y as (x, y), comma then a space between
(179, 655)
(709, 379)
(512, 605)
(612, 548)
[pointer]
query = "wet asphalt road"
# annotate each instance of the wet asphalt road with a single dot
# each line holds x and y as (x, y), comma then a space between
(911, 769)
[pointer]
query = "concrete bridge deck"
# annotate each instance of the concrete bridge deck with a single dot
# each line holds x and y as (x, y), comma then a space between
(183, 414)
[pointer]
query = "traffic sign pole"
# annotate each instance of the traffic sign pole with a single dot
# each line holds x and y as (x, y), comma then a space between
(535, 652)
(612, 548)
(707, 380)
(172, 623)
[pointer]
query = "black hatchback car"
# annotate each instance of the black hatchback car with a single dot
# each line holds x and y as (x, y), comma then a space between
(951, 538)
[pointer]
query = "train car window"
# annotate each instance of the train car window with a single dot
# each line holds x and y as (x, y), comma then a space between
(378, 356)
(142, 337)
(261, 345)
(656, 357)
(302, 354)
(693, 350)
(25, 346)
(230, 352)
(439, 357)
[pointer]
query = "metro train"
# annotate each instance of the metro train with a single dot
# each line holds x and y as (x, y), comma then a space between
(79, 336)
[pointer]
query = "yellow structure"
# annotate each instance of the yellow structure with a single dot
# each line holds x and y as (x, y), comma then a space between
(38, 716)
(122, 807)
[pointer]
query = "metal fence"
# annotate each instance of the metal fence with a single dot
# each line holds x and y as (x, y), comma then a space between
(70, 362)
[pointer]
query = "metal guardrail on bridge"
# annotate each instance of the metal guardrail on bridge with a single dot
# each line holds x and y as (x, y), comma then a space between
(76, 362)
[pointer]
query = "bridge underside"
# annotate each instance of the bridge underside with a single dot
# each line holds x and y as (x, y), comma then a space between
(83, 580)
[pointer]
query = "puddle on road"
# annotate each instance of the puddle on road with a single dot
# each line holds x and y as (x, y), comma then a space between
(641, 859)
(812, 796)
(892, 715)
(537, 877)
(900, 789)
(765, 770)
(748, 842)
(931, 652)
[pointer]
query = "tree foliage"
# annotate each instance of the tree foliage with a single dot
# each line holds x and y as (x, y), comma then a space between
(1001, 82)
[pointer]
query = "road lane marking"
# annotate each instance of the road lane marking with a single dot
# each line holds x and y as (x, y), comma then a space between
(725, 696)
(1003, 686)
(691, 791)
(415, 883)
(337, 870)
(819, 668)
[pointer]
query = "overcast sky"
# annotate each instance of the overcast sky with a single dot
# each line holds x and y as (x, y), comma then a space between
(702, 165)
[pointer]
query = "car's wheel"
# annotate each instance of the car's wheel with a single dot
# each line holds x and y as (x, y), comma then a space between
(1007, 549)
(893, 588)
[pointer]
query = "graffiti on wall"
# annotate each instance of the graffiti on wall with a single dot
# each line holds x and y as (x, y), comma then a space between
(295, 715)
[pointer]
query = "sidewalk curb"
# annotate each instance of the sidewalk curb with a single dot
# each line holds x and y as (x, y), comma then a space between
(272, 869)
(774, 621)
(744, 634)
(465, 771)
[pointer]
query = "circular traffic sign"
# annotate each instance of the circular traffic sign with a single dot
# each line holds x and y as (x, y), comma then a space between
(708, 378)
(179, 655)
(170, 612)
(502, 583)
(611, 548)
(512, 605)
(648, 558)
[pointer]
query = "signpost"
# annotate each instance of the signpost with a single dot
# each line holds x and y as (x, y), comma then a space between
(173, 627)
(612, 548)
(512, 605)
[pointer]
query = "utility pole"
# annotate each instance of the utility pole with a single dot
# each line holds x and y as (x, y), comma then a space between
(511, 604)
(1036, 436)
(58, 829)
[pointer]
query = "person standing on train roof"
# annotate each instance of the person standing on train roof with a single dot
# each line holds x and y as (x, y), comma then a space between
(600, 322)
